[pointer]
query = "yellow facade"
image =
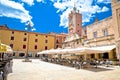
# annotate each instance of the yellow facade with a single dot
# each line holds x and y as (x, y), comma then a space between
(37, 42)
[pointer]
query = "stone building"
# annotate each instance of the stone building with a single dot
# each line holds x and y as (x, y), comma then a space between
(116, 23)
(59, 39)
(101, 34)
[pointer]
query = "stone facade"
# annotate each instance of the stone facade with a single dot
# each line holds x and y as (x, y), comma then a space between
(101, 34)
(116, 22)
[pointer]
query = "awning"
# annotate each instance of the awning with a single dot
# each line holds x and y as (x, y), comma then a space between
(57, 51)
(104, 48)
(81, 50)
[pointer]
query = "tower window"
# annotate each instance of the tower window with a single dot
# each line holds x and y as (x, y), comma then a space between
(36, 35)
(12, 32)
(25, 33)
(46, 36)
(46, 41)
(25, 39)
(36, 40)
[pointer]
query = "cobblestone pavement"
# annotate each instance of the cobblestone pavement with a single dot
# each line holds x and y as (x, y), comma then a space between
(39, 70)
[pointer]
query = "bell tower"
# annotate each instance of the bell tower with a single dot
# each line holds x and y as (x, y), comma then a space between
(75, 22)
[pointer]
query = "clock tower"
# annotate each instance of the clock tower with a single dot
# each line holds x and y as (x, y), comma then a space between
(75, 22)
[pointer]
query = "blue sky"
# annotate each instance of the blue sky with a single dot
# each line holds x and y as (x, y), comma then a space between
(50, 15)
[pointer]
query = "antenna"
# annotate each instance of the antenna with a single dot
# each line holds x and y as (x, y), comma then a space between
(74, 8)
(74, 3)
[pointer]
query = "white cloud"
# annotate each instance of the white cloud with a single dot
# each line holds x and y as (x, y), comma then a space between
(60, 6)
(12, 9)
(104, 1)
(64, 18)
(100, 1)
(40, 0)
(104, 9)
(29, 2)
(16, 10)
(85, 7)
(33, 29)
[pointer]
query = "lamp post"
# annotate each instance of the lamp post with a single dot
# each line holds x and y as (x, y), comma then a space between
(28, 28)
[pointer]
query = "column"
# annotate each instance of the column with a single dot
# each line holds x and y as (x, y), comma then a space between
(111, 55)
(17, 54)
(33, 55)
(96, 56)
(88, 56)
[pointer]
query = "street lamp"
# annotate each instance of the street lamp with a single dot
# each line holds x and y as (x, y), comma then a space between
(28, 28)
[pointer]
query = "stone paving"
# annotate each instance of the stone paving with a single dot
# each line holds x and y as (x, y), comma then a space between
(39, 70)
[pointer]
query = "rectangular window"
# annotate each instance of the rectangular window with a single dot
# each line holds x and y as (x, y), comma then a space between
(46, 41)
(24, 46)
(95, 34)
(46, 47)
(12, 38)
(11, 45)
(35, 47)
(46, 36)
(36, 40)
(25, 33)
(12, 32)
(57, 41)
(36, 35)
(105, 32)
(25, 39)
